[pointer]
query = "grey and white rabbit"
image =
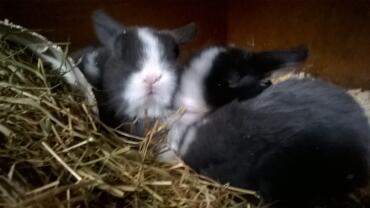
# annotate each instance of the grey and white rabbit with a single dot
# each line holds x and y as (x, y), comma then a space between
(134, 72)
(300, 143)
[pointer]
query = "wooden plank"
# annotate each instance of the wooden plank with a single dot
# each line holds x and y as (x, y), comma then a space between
(337, 33)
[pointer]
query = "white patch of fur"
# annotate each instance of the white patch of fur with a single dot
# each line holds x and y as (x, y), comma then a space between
(140, 103)
(187, 140)
(174, 137)
(184, 132)
(191, 94)
(91, 67)
(191, 98)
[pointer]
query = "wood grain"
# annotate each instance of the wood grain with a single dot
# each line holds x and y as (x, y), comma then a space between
(69, 20)
(336, 31)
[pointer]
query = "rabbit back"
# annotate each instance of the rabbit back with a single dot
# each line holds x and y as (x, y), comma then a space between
(304, 140)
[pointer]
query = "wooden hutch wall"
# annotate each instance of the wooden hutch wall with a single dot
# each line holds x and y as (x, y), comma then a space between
(337, 32)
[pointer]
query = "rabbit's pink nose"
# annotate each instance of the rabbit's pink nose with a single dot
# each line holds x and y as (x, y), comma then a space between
(152, 79)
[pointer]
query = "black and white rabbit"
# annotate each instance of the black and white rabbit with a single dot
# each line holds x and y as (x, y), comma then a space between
(300, 143)
(217, 75)
(134, 72)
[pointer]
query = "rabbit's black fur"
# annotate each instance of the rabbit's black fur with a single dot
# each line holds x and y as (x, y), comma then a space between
(299, 143)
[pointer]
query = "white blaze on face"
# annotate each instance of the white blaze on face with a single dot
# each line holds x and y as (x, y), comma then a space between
(191, 95)
(142, 101)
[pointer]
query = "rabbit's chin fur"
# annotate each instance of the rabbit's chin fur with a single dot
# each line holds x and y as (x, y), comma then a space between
(153, 106)
(153, 103)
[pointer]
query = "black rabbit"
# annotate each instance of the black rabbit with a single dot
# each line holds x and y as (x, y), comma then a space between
(300, 143)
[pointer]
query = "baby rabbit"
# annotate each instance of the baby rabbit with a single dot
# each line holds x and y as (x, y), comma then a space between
(217, 75)
(134, 72)
(300, 143)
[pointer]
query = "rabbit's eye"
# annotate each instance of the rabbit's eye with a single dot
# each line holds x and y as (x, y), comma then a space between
(233, 78)
(176, 50)
(232, 82)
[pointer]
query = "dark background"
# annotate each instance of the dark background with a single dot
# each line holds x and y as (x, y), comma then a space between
(336, 31)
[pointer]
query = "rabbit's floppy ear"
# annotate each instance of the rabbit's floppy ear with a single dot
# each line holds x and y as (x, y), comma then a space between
(106, 28)
(266, 62)
(185, 33)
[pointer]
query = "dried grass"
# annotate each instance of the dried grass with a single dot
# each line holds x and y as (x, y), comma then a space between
(54, 152)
